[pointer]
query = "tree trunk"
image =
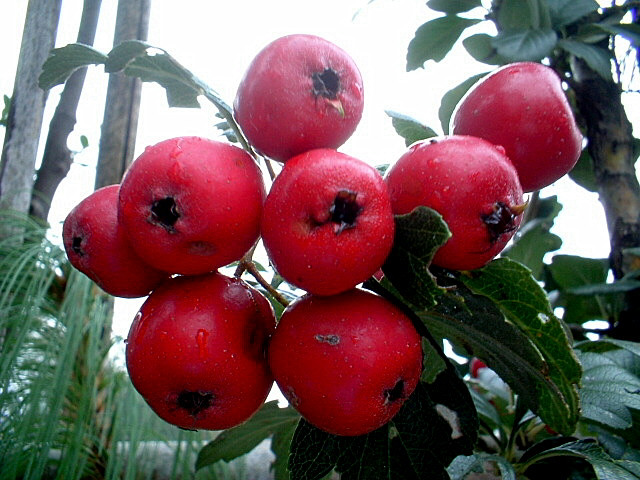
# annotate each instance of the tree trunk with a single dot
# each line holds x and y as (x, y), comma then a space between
(57, 157)
(118, 136)
(17, 164)
(611, 148)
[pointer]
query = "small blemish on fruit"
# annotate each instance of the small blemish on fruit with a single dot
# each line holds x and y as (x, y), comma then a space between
(331, 339)
(201, 248)
(201, 341)
(452, 419)
(292, 397)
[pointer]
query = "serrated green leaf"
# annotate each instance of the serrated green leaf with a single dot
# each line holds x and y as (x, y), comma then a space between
(314, 453)
(475, 324)
(182, 90)
(566, 12)
(525, 304)
(124, 53)
(63, 61)
(570, 271)
(242, 439)
(451, 99)
(597, 58)
(608, 392)
(453, 6)
(434, 39)
(480, 47)
(604, 467)
(418, 235)
(525, 45)
(409, 128)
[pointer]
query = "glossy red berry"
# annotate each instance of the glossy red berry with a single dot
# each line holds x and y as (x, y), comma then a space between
(472, 184)
(191, 205)
(196, 351)
(523, 108)
(300, 92)
(348, 362)
(97, 245)
(327, 222)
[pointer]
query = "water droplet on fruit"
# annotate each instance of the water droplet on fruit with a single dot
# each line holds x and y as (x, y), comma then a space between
(201, 341)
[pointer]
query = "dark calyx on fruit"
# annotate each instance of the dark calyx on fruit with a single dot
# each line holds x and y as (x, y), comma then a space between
(344, 210)
(195, 402)
(164, 212)
(326, 84)
(76, 246)
(396, 393)
(501, 220)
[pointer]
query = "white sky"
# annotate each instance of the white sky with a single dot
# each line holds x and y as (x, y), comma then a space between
(216, 40)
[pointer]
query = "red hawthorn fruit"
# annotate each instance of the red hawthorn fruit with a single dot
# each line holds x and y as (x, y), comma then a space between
(196, 351)
(327, 223)
(348, 362)
(191, 205)
(472, 184)
(523, 107)
(299, 93)
(97, 245)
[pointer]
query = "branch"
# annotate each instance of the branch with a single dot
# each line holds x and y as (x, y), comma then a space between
(57, 157)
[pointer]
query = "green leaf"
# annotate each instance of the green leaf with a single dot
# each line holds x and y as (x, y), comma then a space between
(151, 64)
(525, 304)
(481, 48)
(281, 446)
(630, 31)
(451, 99)
(84, 141)
(568, 274)
(409, 128)
(523, 14)
(434, 39)
(583, 173)
(604, 467)
(566, 12)
(453, 6)
(534, 240)
(481, 464)
(474, 324)
(63, 61)
(609, 391)
(418, 235)
(597, 58)
(239, 440)
(525, 45)
(611, 385)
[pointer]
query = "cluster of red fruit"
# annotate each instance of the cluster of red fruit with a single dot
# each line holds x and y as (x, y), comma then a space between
(204, 349)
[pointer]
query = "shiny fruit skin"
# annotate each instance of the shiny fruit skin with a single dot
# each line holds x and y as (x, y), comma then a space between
(97, 245)
(347, 363)
(327, 222)
(196, 351)
(285, 108)
(191, 205)
(523, 108)
(464, 179)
